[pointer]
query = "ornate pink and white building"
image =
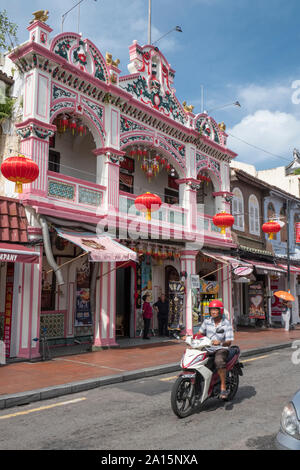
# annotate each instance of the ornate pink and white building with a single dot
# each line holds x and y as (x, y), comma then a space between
(100, 139)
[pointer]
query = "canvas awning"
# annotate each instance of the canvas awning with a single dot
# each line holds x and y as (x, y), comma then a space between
(13, 253)
(261, 266)
(101, 248)
(293, 269)
(226, 259)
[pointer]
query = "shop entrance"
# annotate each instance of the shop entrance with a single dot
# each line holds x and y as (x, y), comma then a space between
(125, 301)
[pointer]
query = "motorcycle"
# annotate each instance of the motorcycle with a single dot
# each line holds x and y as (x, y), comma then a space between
(199, 379)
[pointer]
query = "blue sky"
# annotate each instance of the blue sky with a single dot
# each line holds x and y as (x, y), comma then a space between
(236, 49)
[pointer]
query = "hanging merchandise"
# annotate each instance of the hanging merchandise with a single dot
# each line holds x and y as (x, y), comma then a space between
(20, 170)
(176, 301)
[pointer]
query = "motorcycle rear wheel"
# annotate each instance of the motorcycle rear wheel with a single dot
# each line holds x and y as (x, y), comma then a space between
(183, 397)
(232, 382)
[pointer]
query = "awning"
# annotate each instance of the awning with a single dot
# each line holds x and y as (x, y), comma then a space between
(100, 247)
(13, 253)
(266, 266)
(293, 269)
(226, 259)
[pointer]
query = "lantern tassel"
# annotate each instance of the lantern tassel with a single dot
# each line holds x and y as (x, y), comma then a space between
(18, 187)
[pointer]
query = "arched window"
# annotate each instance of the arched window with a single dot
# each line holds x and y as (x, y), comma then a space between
(253, 209)
(238, 209)
(271, 211)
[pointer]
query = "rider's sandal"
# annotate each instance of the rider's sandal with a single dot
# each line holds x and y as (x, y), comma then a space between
(224, 394)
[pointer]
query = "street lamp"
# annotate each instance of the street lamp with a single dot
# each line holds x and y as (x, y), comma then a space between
(177, 28)
(236, 103)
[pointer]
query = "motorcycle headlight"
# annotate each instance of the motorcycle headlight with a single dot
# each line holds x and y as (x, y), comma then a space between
(289, 421)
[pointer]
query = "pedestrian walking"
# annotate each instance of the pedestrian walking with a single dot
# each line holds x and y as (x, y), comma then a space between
(286, 314)
(147, 315)
(162, 309)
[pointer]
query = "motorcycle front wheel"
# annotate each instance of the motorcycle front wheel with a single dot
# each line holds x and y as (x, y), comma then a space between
(183, 397)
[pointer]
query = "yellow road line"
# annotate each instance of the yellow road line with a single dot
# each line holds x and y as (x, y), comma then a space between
(41, 408)
(245, 360)
(259, 357)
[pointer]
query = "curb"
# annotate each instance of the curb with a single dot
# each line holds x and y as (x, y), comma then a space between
(25, 398)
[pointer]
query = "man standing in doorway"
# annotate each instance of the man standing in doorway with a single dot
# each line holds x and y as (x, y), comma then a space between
(162, 309)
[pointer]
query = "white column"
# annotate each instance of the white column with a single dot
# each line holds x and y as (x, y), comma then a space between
(188, 264)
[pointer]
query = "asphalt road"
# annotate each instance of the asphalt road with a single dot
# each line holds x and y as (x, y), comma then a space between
(137, 415)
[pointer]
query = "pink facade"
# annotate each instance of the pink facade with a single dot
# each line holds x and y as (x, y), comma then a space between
(83, 183)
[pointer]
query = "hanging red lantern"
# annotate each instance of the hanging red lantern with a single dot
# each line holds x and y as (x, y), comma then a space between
(157, 158)
(271, 228)
(297, 227)
(73, 125)
(81, 129)
(144, 165)
(223, 220)
(64, 122)
(20, 170)
(163, 161)
(147, 203)
(139, 153)
(132, 153)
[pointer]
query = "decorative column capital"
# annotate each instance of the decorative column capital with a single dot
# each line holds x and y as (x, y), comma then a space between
(193, 183)
(35, 128)
(113, 155)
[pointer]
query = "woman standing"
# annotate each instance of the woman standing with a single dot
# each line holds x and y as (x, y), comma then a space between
(147, 315)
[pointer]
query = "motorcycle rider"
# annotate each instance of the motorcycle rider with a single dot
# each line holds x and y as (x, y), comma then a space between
(221, 341)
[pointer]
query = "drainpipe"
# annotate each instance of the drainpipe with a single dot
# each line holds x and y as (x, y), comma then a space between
(48, 251)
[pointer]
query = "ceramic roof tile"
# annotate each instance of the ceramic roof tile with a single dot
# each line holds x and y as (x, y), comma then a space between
(13, 221)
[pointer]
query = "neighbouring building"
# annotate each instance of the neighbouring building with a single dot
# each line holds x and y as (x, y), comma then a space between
(254, 203)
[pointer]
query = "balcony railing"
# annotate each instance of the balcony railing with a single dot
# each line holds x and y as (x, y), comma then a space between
(76, 191)
(167, 214)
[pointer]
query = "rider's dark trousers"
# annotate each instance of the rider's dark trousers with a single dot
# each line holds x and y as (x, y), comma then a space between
(221, 356)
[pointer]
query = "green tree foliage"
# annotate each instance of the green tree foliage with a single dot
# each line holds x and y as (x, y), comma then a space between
(8, 32)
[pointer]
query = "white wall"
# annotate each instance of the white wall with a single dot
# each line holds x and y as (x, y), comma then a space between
(76, 157)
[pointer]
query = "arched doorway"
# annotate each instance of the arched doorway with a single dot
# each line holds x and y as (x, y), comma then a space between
(171, 274)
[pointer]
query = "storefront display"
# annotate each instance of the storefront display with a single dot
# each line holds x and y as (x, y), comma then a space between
(83, 315)
(176, 301)
(8, 307)
(256, 301)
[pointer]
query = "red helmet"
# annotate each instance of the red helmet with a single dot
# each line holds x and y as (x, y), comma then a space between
(216, 304)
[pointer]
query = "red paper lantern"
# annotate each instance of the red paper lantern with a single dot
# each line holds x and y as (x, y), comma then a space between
(73, 125)
(64, 123)
(147, 203)
(81, 129)
(271, 228)
(20, 170)
(297, 227)
(223, 220)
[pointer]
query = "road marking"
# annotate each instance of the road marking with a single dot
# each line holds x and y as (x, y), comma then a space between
(168, 378)
(41, 408)
(242, 361)
(259, 357)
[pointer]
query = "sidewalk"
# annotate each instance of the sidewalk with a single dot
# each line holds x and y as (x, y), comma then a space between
(26, 382)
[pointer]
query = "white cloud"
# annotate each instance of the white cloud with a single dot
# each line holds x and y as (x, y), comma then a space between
(277, 132)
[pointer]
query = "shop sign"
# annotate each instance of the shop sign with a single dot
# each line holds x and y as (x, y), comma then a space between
(195, 281)
(256, 302)
(209, 287)
(8, 307)
(243, 271)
